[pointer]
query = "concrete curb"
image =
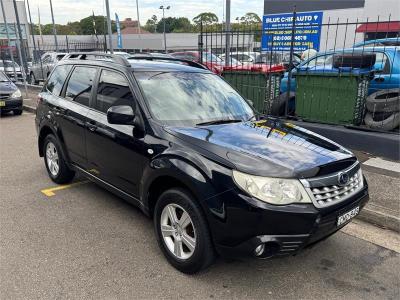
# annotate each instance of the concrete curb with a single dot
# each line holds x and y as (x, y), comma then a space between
(29, 108)
(380, 219)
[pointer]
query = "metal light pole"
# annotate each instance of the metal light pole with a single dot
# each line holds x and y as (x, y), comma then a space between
(8, 39)
(54, 26)
(23, 54)
(32, 32)
(21, 62)
(227, 29)
(109, 27)
(163, 15)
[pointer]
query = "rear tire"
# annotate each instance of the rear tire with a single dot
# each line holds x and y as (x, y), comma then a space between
(192, 237)
(55, 163)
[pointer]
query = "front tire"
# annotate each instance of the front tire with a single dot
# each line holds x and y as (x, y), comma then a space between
(182, 231)
(55, 163)
(17, 112)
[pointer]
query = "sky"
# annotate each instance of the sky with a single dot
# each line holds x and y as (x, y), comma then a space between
(74, 10)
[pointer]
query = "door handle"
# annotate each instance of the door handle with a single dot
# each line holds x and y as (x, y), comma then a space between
(380, 79)
(91, 126)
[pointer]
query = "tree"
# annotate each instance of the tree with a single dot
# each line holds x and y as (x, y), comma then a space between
(207, 18)
(151, 24)
(174, 25)
(86, 25)
(250, 18)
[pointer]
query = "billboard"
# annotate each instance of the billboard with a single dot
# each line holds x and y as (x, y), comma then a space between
(277, 31)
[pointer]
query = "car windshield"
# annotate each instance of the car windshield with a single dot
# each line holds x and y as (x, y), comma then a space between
(183, 98)
(3, 77)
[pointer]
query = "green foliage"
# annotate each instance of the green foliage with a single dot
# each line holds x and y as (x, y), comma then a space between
(250, 18)
(172, 24)
(84, 26)
(207, 18)
(151, 24)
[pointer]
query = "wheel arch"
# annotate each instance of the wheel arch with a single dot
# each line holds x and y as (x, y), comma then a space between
(175, 172)
(46, 130)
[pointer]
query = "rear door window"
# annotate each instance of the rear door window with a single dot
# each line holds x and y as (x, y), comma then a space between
(80, 85)
(113, 89)
(57, 78)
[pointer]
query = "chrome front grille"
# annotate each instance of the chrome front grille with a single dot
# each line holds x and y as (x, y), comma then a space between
(326, 191)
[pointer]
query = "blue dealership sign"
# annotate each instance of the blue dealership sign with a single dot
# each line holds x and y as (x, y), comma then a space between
(119, 36)
(277, 31)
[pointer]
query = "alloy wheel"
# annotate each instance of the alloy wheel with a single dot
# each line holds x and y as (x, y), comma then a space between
(178, 231)
(52, 159)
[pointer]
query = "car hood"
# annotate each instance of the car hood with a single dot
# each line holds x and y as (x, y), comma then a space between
(266, 148)
(7, 87)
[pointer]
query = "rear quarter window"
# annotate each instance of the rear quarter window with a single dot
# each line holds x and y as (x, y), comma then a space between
(57, 78)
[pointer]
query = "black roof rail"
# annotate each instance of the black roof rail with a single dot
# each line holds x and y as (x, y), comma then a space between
(172, 59)
(100, 56)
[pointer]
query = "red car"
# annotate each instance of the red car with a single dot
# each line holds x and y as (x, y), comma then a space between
(211, 61)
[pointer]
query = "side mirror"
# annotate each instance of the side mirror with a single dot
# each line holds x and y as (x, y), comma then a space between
(120, 114)
(250, 102)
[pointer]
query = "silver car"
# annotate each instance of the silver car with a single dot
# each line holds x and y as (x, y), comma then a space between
(7, 67)
(41, 69)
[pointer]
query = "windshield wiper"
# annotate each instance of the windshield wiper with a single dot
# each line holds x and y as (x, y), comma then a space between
(216, 122)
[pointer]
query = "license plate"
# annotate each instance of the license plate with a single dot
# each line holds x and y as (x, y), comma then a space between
(2, 103)
(346, 217)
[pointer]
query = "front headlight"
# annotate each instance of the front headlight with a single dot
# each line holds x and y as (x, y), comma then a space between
(276, 191)
(16, 94)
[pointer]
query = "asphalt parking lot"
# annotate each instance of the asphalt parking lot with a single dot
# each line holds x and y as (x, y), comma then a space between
(83, 242)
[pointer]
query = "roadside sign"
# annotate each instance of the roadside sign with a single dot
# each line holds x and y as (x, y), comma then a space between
(277, 31)
(119, 37)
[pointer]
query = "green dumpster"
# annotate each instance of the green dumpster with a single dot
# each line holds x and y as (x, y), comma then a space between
(332, 97)
(260, 88)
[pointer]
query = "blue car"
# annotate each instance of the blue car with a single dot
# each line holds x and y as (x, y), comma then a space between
(387, 71)
(379, 42)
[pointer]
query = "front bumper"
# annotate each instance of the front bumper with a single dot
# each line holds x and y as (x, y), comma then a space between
(288, 230)
(10, 104)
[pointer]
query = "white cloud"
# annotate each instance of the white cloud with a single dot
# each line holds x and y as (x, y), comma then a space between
(74, 10)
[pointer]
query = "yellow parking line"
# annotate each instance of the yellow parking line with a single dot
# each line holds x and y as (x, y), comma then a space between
(50, 191)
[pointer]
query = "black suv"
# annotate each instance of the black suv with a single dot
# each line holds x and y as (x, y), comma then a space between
(179, 142)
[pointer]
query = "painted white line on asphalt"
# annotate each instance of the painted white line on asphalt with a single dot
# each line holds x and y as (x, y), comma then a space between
(383, 164)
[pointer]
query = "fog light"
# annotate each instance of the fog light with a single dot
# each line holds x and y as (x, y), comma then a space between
(259, 250)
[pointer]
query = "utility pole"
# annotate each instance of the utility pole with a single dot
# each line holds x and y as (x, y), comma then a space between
(227, 31)
(8, 39)
(54, 26)
(109, 27)
(163, 15)
(22, 50)
(21, 62)
(32, 32)
(138, 24)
